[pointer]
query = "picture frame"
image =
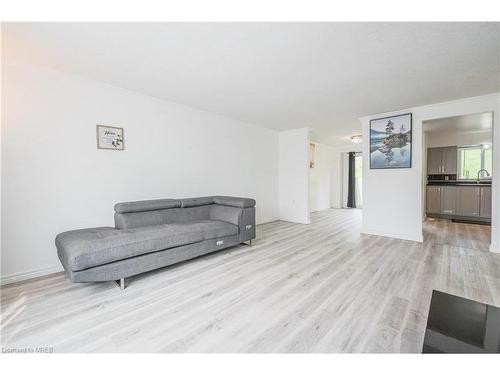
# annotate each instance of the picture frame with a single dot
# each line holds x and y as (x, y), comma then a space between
(391, 142)
(110, 137)
(312, 152)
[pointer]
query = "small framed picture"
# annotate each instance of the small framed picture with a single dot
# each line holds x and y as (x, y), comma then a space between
(110, 138)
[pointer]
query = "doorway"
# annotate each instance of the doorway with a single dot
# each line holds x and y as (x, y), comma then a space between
(457, 180)
(352, 180)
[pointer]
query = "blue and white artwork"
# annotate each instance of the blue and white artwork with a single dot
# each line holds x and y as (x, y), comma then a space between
(390, 142)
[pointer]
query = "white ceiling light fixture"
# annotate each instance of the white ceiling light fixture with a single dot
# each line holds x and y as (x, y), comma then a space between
(358, 138)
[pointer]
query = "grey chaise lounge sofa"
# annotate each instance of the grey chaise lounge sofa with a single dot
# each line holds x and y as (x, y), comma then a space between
(153, 234)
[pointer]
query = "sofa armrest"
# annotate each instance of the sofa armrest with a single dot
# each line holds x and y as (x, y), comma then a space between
(244, 218)
(247, 224)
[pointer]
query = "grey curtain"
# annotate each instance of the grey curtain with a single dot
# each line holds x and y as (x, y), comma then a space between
(351, 182)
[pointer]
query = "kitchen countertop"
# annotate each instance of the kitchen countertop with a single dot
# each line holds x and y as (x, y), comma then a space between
(457, 183)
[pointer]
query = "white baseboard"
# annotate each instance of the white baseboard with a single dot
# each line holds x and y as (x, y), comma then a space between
(493, 250)
(267, 221)
(4, 280)
(416, 238)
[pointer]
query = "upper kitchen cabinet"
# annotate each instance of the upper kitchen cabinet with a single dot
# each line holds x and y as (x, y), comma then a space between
(449, 160)
(442, 160)
(434, 159)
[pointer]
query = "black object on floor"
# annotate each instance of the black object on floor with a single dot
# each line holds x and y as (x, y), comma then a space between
(460, 325)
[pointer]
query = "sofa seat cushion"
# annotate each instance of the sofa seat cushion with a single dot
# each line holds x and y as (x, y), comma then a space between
(212, 228)
(86, 248)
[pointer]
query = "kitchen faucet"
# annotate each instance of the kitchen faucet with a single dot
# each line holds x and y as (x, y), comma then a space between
(479, 171)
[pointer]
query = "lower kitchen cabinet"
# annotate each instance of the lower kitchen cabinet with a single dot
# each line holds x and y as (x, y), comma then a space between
(448, 200)
(433, 199)
(459, 201)
(468, 200)
(441, 200)
(485, 205)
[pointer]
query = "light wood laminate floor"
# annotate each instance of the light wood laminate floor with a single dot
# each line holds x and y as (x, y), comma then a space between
(321, 287)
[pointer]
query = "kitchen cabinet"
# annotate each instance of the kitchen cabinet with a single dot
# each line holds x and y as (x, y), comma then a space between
(485, 202)
(449, 160)
(433, 199)
(448, 200)
(434, 158)
(442, 160)
(441, 200)
(459, 201)
(468, 200)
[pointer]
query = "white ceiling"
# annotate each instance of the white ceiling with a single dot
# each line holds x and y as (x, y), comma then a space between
(277, 75)
(479, 122)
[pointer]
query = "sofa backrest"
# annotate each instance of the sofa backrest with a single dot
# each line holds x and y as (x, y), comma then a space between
(167, 211)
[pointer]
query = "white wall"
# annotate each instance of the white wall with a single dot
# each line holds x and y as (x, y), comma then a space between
(321, 178)
(55, 179)
(448, 138)
(294, 175)
(337, 177)
(423, 179)
(392, 203)
(1, 152)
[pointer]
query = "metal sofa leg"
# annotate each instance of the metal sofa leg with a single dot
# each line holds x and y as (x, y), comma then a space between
(120, 283)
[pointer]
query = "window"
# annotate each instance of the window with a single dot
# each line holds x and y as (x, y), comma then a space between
(488, 160)
(472, 159)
